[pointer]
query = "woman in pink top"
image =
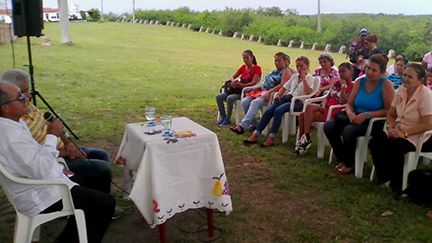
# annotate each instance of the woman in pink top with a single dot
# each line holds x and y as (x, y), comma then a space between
(338, 94)
(410, 115)
(327, 73)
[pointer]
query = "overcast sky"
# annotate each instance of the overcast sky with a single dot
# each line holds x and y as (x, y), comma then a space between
(407, 7)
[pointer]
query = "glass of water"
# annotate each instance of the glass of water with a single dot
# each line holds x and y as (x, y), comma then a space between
(149, 113)
(166, 121)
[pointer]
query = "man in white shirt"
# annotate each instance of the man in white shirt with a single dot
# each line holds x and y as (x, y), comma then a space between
(22, 156)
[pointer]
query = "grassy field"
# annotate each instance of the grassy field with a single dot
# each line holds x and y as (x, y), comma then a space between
(113, 70)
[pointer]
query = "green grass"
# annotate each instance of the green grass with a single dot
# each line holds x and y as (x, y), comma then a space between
(112, 71)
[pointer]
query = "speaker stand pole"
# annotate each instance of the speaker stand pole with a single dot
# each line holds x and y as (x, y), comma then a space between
(30, 59)
(35, 93)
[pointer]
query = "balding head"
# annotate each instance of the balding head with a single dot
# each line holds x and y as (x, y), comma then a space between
(12, 101)
(4, 95)
(16, 76)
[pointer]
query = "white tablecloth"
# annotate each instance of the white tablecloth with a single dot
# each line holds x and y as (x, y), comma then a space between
(174, 177)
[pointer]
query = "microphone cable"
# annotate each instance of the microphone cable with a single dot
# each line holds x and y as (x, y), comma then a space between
(48, 116)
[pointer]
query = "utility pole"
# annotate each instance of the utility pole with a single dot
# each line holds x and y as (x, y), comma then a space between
(102, 9)
(319, 17)
(133, 11)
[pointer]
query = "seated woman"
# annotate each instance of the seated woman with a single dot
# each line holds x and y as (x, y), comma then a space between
(427, 60)
(370, 49)
(396, 76)
(371, 97)
(258, 97)
(429, 78)
(327, 73)
(300, 83)
(409, 115)
(391, 68)
(338, 94)
(250, 74)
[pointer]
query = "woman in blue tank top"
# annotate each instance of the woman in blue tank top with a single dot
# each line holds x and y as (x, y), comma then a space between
(370, 97)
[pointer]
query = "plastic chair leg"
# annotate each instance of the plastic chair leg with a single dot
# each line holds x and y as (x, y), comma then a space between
(409, 165)
(321, 141)
(22, 229)
(360, 157)
(285, 127)
(331, 157)
(238, 111)
(373, 176)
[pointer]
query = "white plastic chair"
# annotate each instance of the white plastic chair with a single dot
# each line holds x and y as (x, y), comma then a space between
(289, 118)
(27, 226)
(411, 160)
(319, 126)
(361, 148)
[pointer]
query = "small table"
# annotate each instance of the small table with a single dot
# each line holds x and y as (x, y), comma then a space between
(174, 176)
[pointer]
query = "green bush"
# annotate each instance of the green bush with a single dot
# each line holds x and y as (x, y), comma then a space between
(411, 35)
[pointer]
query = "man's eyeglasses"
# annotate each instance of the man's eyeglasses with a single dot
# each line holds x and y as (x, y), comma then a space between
(21, 98)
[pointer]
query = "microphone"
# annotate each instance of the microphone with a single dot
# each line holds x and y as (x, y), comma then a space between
(51, 117)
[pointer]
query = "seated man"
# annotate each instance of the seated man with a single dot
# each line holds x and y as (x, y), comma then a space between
(22, 156)
(90, 164)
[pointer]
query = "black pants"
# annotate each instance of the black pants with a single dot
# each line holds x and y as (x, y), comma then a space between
(343, 138)
(388, 156)
(98, 209)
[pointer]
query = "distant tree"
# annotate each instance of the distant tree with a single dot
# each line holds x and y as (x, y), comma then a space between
(83, 14)
(291, 11)
(94, 15)
(270, 11)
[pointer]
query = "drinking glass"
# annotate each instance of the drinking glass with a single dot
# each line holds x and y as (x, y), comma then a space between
(166, 121)
(149, 113)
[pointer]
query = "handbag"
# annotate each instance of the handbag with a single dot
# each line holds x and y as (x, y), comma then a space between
(254, 93)
(341, 119)
(229, 89)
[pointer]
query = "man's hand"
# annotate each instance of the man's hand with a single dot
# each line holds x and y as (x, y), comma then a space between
(55, 128)
(73, 152)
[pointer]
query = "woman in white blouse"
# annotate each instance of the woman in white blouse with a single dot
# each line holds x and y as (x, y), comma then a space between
(300, 83)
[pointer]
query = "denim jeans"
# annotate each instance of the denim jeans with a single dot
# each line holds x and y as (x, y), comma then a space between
(251, 107)
(276, 111)
(230, 99)
(97, 165)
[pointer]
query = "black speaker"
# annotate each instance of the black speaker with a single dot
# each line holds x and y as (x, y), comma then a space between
(27, 17)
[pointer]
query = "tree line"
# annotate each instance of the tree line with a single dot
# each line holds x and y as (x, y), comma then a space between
(411, 35)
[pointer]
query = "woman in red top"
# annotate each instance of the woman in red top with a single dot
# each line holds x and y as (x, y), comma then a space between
(250, 74)
(338, 94)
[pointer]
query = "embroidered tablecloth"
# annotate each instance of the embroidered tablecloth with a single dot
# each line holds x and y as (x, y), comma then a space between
(175, 175)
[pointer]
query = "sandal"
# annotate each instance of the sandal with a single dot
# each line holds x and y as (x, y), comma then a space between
(344, 170)
(237, 129)
(267, 144)
(339, 165)
(248, 142)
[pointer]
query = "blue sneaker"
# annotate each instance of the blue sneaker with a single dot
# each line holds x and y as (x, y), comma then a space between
(219, 121)
(225, 122)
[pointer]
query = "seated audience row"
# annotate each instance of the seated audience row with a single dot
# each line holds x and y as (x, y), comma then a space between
(371, 95)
